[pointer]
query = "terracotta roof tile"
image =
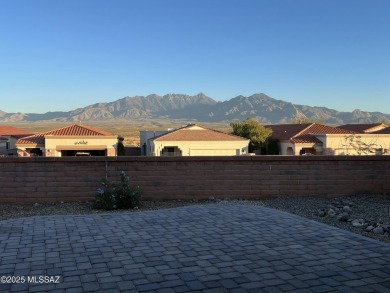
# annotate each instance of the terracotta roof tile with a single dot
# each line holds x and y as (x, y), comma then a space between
(364, 128)
(13, 131)
(194, 132)
(71, 130)
(382, 131)
(306, 138)
(286, 131)
(324, 129)
(303, 133)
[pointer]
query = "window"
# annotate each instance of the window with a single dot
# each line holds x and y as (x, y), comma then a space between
(171, 151)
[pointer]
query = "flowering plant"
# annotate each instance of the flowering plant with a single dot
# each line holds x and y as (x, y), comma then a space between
(119, 195)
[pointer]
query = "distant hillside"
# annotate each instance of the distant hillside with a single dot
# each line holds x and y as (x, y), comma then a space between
(203, 109)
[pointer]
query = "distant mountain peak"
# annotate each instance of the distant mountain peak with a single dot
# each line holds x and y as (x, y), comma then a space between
(202, 108)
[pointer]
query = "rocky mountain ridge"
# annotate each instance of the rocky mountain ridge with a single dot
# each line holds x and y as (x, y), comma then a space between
(201, 108)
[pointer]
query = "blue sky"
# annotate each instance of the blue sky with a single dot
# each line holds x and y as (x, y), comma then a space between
(61, 55)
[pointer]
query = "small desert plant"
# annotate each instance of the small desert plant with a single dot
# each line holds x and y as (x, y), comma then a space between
(120, 195)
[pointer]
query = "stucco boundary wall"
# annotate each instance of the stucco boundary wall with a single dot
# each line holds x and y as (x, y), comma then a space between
(70, 179)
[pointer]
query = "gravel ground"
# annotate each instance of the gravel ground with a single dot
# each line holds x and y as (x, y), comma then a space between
(10, 211)
(369, 207)
(374, 207)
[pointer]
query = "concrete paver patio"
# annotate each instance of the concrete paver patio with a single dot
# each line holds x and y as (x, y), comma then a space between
(203, 248)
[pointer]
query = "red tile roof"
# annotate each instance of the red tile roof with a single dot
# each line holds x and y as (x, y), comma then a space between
(382, 131)
(308, 138)
(286, 131)
(13, 131)
(71, 130)
(303, 133)
(307, 134)
(194, 132)
(363, 128)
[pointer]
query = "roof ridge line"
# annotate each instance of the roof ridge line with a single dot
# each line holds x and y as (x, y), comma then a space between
(203, 128)
(304, 130)
(45, 132)
(172, 131)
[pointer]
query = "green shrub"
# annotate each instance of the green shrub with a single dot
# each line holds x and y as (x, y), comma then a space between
(120, 195)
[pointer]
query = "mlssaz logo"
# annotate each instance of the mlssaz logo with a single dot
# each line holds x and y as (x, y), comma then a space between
(43, 279)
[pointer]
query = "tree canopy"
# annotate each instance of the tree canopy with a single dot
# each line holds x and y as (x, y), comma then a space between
(252, 130)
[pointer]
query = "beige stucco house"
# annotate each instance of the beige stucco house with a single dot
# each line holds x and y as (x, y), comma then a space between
(193, 140)
(318, 139)
(355, 144)
(8, 137)
(371, 139)
(72, 140)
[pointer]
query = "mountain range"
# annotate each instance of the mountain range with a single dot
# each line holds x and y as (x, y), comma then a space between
(201, 108)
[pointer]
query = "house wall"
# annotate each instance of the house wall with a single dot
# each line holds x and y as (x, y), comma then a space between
(283, 147)
(45, 179)
(3, 144)
(203, 148)
(10, 142)
(296, 148)
(81, 143)
(336, 144)
(54, 144)
(144, 137)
